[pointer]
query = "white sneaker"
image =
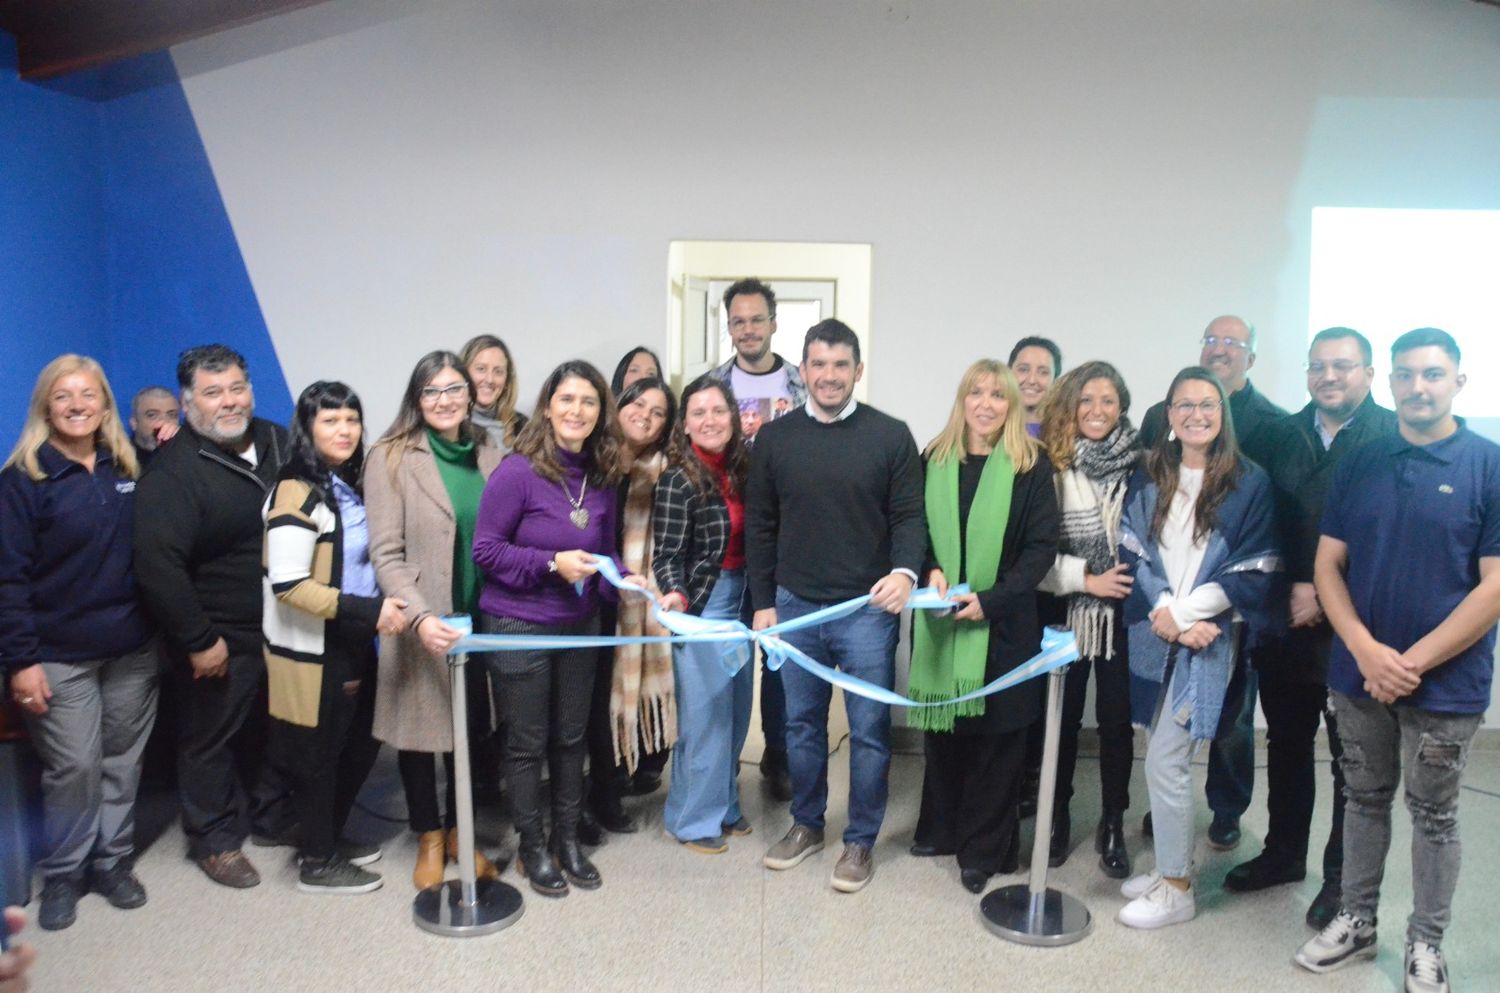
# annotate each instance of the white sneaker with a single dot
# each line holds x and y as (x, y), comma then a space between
(1161, 905)
(1346, 939)
(1426, 972)
(1136, 886)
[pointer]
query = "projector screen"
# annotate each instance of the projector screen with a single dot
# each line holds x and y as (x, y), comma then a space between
(1384, 272)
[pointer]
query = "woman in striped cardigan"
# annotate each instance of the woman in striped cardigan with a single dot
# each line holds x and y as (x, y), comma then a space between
(322, 610)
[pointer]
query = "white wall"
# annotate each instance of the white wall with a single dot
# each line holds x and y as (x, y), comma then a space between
(402, 176)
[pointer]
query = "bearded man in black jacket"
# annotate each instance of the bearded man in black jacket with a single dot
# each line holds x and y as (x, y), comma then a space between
(198, 535)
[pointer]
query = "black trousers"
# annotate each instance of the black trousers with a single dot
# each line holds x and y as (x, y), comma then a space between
(1112, 713)
(227, 786)
(419, 782)
(545, 698)
(970, 790)
(325, 784)
(1292, 705)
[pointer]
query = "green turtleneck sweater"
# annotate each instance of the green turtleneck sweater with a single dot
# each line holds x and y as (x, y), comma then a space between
(459, 466)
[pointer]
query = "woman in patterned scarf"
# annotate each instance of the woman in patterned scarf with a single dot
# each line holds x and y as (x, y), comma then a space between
(1089, 437)
(633, 715)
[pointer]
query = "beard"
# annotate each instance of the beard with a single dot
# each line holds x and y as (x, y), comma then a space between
(208, 428)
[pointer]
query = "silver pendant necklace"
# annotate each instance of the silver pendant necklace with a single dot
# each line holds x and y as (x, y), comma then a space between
(579, 516)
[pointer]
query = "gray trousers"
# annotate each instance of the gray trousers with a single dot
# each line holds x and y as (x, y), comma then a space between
(90, 742)
(1378, 741)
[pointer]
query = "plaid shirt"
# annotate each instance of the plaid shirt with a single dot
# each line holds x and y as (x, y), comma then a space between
(691, 532)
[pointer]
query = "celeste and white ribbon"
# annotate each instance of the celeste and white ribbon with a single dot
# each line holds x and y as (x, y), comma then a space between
(1059, 647)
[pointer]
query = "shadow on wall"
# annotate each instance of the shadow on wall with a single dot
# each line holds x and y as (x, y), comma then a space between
(115, 242)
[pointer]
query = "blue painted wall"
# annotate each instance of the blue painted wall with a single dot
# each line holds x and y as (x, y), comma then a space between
(53, 263)
(114, 240)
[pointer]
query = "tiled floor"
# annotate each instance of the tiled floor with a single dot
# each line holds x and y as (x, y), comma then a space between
(668, 920)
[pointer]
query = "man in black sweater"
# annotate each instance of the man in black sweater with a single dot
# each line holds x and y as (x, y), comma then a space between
(198, 540)
(833, 510)
(1228, 345)
(1301, 453)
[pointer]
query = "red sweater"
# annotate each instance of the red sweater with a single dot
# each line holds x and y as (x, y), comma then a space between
(734, 555)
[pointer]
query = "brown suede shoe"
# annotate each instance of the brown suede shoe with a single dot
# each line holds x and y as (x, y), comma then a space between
(230, 869)
(483, 867)
(429, 869)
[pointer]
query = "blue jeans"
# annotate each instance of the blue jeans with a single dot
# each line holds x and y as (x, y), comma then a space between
(713, 718)
(862, 645)
(1231, 757)
(1433, 747)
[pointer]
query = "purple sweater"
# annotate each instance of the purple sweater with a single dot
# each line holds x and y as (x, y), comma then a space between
(523, 521)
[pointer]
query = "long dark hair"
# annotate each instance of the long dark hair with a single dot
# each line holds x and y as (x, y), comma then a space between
(633, 392)
(736, 453)
(1220, 474)
(407, 430)
(602, 454)
(617, 381)
(305, 463)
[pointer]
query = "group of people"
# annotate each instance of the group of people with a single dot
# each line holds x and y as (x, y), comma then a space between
(299, 587)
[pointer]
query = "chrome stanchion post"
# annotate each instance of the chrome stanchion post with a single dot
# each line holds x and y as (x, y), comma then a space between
(466, 906)
(1033, 914)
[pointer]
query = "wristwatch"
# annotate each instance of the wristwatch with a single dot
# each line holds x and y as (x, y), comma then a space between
(552, 565)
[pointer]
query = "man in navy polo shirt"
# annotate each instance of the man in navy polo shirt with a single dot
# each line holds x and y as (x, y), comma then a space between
(1408, 572)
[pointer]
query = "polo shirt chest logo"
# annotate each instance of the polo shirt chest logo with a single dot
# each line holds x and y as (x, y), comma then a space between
(125, 486)
(1445, 488)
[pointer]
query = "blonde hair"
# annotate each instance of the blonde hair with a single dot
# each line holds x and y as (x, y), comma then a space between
(38, 430)
(952, 441)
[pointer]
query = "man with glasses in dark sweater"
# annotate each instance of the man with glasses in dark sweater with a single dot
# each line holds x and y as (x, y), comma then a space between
(833, 510)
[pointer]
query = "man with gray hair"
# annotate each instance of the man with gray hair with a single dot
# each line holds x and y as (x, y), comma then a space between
(198, 535)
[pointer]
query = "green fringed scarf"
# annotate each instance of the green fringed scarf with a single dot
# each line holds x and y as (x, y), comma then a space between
(948, 656)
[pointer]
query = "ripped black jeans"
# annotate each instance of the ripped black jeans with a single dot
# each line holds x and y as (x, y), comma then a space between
(1379, 741)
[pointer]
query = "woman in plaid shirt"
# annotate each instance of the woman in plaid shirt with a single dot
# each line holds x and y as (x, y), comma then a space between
(699, 564)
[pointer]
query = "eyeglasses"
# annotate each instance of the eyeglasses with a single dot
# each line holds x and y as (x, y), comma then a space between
(740, 323)
(1185, 408)
(1343, 367)
(1213, 341)
(457, 391)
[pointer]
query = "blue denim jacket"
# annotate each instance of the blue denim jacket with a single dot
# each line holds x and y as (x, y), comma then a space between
(1242, 557)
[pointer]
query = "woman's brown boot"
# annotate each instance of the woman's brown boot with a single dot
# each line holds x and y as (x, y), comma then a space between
(483, 867)
(429, 870)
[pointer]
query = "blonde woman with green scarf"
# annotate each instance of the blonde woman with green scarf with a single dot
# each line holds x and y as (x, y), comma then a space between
(991, 523)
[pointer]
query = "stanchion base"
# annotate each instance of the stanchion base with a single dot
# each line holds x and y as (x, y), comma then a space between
(1052, 918)
(439, 910)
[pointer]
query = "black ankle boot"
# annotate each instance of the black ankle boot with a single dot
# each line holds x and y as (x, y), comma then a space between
(1114, 857)
(535, 863)
(576, 867)
(590, 831)
(1061, 841)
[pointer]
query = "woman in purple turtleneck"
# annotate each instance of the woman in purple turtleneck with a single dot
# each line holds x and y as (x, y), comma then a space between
(546, 513)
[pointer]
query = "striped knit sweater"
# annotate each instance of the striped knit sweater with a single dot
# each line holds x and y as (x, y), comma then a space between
(303, 561)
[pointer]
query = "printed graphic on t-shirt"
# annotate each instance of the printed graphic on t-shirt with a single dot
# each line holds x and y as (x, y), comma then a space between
(763, 397)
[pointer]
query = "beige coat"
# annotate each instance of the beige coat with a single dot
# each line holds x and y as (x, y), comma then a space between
(412, 532)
